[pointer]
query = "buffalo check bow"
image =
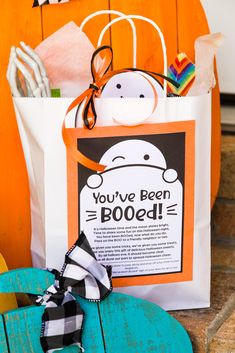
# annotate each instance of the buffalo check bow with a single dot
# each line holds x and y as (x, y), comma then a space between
(81, 275)
(47, 2)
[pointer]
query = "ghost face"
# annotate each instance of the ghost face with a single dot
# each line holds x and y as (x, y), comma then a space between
(134, 84)
(140, 93)
(133, 153)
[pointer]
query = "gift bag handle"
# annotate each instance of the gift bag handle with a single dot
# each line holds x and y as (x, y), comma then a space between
(118, 13)
(146, 19)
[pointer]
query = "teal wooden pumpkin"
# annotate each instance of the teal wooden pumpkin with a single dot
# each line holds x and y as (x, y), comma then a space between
(119, 324)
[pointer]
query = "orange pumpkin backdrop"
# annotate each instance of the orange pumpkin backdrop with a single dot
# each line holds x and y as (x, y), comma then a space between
(181, 25)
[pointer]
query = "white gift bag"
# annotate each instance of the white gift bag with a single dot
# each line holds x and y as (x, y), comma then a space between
(161, 202)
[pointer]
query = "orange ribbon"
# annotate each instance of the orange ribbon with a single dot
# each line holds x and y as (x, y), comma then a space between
(99, 68)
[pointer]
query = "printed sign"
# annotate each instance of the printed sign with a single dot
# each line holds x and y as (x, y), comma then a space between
(133, 213)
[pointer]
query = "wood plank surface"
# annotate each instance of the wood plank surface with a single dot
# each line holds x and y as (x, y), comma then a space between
(18, 22)
(137, 326)
(3, 342)
(7, 300)
(120, 323)
(26, 280)
(23, 327)
(149, 47)
(54, 17)
(192, 24)
(92, 338)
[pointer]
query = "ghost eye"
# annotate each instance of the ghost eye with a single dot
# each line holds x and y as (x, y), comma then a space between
(146, 157)
(117, 158)
(118, 86)
(141, 95)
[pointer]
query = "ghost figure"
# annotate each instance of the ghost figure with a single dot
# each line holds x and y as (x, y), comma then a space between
(135, 84)
(133, 153)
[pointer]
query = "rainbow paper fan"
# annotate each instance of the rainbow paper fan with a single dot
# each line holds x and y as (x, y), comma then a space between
(182, 70)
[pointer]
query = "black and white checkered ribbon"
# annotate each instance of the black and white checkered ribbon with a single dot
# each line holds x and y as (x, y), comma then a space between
(48, 2)
(81, 275)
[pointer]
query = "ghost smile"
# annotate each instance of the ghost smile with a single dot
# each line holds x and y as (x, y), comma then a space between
(131, 165)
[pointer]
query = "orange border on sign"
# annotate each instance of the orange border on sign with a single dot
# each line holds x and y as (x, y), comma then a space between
(148, 129)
